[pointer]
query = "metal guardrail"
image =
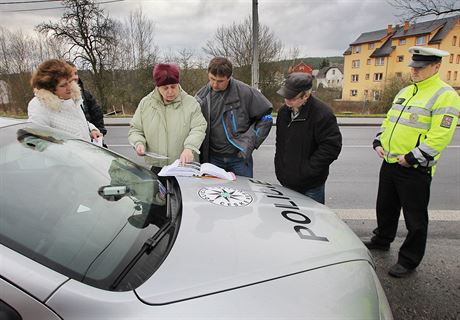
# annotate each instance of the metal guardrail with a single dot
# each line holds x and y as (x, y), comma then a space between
(369, 122)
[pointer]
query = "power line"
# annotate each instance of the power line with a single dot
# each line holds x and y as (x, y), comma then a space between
(31, 1)
(51, 8)
(24, 10)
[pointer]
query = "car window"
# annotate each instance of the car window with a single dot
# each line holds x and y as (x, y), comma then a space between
(74, 207)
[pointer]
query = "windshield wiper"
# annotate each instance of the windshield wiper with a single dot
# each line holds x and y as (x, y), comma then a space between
(147, 247)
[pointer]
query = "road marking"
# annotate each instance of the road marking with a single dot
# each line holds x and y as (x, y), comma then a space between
(369, 214)
(355, 146)
(272, 146)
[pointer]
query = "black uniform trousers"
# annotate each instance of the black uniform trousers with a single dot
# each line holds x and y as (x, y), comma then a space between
(408, 188)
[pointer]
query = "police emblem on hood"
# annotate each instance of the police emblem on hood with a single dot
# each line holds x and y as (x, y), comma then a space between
(225, 196)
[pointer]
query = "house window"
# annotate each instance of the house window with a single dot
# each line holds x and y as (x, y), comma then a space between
(357, 49)
(376, 94)
(333, 72)
(353, 93)
(369, 61)
(420, 40)
(354, 78)
(367, 76)
(455, 75)
(398, 74)
(402, 42)
(448, 75)
(454, 41)
(458, 58)
(355, 64)
(451, 58)
(378, 76)
(366, 93)
(400, 58)
(379, 61)
(370, 46)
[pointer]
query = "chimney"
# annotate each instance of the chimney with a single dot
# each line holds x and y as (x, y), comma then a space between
(406, 26)
(390, 29)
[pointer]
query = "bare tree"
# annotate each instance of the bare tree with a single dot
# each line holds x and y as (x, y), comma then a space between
(47, 48)
(5, 65)
(235, 42)
(89, 33)
(20, 53)
(413, 9)
(137, 40)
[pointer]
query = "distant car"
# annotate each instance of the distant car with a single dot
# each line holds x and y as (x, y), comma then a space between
(87, 234)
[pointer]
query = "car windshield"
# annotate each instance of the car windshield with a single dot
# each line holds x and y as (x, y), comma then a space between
(79, 209)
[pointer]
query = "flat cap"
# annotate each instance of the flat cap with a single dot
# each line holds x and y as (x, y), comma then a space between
(423, 56)
(294, 84)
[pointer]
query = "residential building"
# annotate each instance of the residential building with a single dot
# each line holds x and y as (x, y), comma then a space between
(378, 56)
(301, 67)
(330, 77)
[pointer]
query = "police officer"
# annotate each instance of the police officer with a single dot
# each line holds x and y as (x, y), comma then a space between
(419, 125)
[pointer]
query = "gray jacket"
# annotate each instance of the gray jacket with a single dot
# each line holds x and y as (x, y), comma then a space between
(247, 118)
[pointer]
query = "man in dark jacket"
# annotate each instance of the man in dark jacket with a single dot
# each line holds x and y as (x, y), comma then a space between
(93, 112)
(239, 119)
(308, 138)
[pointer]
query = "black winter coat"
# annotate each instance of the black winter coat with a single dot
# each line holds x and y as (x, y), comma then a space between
(306, 146)
(93, 112)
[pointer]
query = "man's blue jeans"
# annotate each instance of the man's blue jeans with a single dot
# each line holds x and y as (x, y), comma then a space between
(235, 164)
(316, 193)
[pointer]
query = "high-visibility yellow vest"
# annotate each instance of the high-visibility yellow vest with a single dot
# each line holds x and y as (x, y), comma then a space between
(421, 122)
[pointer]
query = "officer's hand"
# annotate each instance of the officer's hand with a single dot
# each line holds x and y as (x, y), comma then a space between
(380, 152)
(402, 161)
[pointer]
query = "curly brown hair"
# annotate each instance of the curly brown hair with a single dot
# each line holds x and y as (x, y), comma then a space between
(49, 73)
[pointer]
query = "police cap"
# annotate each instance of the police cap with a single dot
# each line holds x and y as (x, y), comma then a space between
(423, 56)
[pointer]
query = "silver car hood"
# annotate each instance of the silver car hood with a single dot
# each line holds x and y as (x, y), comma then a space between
(244, 232)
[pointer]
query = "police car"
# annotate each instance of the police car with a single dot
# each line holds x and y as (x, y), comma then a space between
(87, 234)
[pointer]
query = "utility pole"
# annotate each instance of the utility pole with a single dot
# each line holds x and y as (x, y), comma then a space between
(255, 45)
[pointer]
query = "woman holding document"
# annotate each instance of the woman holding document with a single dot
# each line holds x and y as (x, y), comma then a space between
(168, 123)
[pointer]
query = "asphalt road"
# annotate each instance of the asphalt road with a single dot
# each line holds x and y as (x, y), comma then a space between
(352, 183)
(433, 291)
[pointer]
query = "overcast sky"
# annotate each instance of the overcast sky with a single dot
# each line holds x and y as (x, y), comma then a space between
(315, 27)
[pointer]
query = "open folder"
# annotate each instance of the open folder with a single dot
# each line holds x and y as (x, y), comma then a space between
(194, 169)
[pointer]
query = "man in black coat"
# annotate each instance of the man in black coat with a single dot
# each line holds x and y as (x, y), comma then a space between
(93, 112)
(308, 138)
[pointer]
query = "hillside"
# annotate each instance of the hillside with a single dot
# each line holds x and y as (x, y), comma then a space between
(313, 62)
